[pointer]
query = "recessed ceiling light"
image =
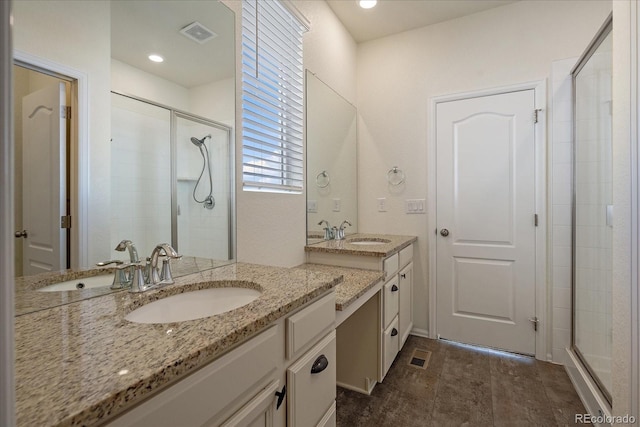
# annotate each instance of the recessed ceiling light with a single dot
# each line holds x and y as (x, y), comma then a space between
(156, 58)
(367, 4)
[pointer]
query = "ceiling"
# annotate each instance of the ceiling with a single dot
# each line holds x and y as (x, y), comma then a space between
(395, 16)
(141, 27)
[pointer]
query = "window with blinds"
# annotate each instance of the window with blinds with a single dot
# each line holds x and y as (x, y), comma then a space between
(272, 97)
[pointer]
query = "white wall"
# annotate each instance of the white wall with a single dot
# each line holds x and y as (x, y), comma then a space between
(90, 28)
(624, 344)
(271, 228)
(397, 75)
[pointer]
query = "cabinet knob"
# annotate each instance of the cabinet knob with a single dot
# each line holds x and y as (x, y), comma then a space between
(444, 232)
(403, 275)
(394, 288)
(281, 395)
(394, 332)
(320, 364)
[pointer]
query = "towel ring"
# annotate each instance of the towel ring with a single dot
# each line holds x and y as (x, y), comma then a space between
(323, 179)
(395, 176)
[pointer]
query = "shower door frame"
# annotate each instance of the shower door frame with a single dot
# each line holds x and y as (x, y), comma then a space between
(605, 30)
(174, 115)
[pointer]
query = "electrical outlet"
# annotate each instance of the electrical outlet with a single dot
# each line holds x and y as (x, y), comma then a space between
(382, 204)
(336, 205)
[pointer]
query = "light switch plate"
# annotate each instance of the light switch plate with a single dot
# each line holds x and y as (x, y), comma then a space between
(382, 204)
(312, 206)
(415, 206)
(336, 205)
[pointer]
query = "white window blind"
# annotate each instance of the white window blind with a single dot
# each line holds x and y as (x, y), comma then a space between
(272, 97)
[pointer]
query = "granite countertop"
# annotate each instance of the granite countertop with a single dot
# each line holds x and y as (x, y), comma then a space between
(28, 301)
(79, 363)
(355, 283)
(389, 244)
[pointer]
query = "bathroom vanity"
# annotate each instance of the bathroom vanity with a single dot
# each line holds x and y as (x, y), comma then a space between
(83, 364)
(373, 324)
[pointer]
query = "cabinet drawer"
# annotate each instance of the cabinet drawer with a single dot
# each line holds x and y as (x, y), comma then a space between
(391, 341)
(310, 324)
(406, 255)
(311, 383)
(390, 265)
(390, 300)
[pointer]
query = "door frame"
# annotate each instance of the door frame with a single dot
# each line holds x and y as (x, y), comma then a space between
(540, 130)
(79, 146)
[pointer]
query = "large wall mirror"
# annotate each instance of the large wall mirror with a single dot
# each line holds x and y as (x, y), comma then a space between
(170, 151)
(332, 174)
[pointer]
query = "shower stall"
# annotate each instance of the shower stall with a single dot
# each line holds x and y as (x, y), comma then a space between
(171, 180)
(593, 214)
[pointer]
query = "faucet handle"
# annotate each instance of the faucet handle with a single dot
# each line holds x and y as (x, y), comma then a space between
(138, 283)
(105, 263)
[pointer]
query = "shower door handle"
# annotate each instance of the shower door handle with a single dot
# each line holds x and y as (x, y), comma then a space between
(22, 234)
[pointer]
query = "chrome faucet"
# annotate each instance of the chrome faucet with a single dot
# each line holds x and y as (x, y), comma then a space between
(147, 275)
(339, 234)
(329, 232)
(128, 245)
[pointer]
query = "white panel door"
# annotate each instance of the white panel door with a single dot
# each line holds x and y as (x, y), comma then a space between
(485, 195)
(44, 179)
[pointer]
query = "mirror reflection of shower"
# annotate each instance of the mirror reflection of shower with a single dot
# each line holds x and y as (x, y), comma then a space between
(208, 202)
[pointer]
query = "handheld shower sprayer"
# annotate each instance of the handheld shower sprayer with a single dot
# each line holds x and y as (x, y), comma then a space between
(208, 202)
(199, 142)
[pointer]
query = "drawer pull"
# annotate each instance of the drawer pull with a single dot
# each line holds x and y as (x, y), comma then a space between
(281, 395)
(319, 365)
(394, 332)
(394, 288)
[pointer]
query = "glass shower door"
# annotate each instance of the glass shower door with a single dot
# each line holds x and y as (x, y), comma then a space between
(593, 212)
(203, 188)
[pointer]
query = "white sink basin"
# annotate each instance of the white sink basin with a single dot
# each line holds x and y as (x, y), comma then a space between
(193, 305)
(77, 284)
(369, 242)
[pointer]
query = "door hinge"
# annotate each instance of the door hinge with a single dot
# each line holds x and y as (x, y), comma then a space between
(65, 112)
(65, 221)
(535, 220)
(535, 322)
(536, 114)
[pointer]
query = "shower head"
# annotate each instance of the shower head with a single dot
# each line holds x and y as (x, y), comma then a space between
(198, 142)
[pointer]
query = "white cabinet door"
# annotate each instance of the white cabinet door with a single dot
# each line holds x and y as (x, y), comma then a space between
(258, 412)
(405, 315)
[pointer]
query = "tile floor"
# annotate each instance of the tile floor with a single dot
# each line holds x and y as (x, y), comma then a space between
(464, 386)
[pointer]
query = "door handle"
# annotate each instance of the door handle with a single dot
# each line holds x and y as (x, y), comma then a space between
(394, 332)
(320, 364)
(444, 232)
(281, 395)
(394, 288)
(22, 234)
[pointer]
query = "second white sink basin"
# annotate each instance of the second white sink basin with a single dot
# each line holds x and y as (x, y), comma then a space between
(368, 242)
(193, 305)
(78, 284)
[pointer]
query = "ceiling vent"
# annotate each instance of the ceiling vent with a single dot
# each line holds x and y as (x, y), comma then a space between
(198, 32)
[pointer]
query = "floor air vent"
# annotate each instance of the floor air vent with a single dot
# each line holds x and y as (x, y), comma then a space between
(420, 358)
